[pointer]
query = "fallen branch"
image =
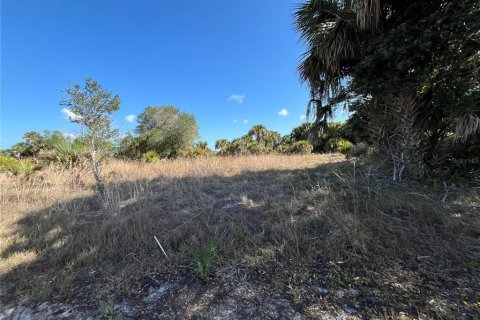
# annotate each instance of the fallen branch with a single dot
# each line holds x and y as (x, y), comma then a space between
(158, 242)
(447, 190)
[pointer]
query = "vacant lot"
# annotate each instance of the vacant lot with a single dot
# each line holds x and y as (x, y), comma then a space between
(244, 237)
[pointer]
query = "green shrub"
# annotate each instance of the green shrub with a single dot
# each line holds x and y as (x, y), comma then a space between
(200, 149)
(21, 167)
(8, 164)
(344, 146)
(68, 154)
(150, 156)
(300, 147)
(187, 153)
(359, 149)
(255, 148)
(240, 146)
(25, 167)
(339, 145)
(284, 147)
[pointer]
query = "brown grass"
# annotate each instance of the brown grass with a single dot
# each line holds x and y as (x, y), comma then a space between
(279, 214)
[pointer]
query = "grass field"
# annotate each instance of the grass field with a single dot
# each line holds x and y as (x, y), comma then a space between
(321, 232)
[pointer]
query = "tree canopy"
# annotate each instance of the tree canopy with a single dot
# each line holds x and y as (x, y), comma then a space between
(165, 130)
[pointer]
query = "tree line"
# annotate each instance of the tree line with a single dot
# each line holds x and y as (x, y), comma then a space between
(165, 132)
(161, 132)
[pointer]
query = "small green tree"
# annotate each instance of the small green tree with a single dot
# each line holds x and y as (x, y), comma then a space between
(167, 130)
(299, 147)
(18, 149)
(91, 107)
(34, 143)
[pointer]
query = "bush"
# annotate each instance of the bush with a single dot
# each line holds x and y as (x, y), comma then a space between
(241, 146)
(359, 149)
(150, 156)
(25, 168)
(339, 145)
(195, 152)
(344, 146)
(22, 167)
(68, 154)
(300, 147)
(8, 164)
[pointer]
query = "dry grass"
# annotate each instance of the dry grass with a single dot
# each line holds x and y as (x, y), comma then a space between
(281, 215)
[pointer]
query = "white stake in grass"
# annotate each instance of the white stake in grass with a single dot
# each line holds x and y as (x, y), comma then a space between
(158, 242)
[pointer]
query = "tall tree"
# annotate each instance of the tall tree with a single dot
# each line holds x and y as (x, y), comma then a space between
(91, 107)
(412, 63)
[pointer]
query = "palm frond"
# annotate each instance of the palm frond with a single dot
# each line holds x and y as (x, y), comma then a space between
(467, 126)
(337, 46)
(332, 37)
(311, 14)
(331, 30)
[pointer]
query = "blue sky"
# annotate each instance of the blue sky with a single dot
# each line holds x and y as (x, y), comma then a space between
(226, 62)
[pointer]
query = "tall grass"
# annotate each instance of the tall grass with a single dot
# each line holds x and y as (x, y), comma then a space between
(278, 212)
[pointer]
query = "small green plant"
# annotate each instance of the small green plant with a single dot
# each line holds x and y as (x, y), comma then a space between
(203, 258)
(107, 309)
(150, 156)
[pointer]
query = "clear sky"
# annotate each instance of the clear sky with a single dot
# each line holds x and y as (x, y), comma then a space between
(230, 63)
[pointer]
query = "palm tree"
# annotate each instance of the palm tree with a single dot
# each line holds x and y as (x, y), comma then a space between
(259, 132)
(221, 145)
(202, 144)
(331, 30)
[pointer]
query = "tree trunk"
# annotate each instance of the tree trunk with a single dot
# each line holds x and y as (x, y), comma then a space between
(96, 174)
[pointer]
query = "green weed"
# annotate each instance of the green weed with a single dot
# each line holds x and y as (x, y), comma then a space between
(203, 259)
